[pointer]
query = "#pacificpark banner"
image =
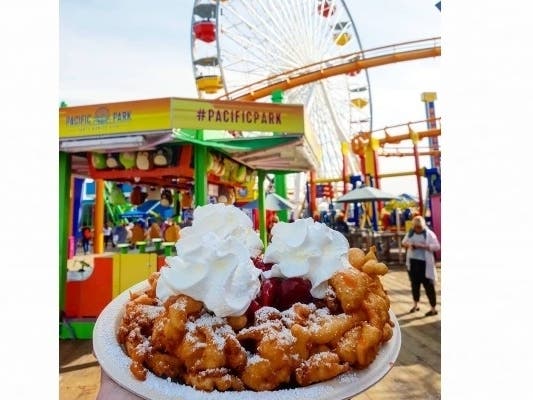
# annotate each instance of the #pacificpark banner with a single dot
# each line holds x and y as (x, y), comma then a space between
(237, 115)
(168, 113)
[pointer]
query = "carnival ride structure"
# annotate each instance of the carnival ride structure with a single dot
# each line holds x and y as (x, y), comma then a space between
(308, 50)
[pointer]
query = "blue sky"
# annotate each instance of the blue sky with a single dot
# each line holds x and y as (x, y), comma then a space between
(123, 50)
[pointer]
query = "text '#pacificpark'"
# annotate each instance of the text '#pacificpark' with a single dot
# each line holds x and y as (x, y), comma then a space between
(273, 118)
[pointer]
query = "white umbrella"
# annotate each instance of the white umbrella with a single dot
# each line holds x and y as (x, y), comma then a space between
(273, 202)
(365, 193)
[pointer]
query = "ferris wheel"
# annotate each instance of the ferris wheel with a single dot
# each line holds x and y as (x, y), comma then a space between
(235, 43)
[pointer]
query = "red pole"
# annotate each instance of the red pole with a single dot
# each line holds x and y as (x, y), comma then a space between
(312, 192)
(363, 168)
(376, 170)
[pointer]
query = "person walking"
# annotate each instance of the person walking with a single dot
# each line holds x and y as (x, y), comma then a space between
(421, 242)
(108, 235)
(86, 235)
(121, 233)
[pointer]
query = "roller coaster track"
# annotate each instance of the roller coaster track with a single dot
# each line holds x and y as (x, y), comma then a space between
(421, 133)
(350, 63)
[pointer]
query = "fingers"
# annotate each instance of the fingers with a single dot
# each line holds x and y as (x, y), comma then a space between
(110, 390)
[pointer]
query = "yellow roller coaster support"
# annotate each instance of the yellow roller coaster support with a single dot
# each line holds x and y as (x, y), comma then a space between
(399, 138)
(413, 135)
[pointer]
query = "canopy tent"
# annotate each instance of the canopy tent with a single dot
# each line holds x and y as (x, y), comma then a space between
(285, 153)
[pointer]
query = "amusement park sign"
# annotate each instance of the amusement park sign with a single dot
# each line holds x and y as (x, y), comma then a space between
(114, 118)
(177, 113)
(237, 115)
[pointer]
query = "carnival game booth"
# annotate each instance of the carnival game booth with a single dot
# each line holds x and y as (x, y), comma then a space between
(187, 152)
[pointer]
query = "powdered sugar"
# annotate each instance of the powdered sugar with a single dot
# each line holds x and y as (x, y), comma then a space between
(219, 327)
(144, 347)
(322, 312)
(213, 372)
(205, 320)
(266, 313)
(116, 363)
(152, 312)
(254, 359)
(285, 337)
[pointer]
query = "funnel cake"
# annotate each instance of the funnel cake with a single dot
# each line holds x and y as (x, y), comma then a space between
(297, 329)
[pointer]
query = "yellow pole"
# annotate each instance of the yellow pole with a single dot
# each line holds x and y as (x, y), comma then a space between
(98, 239)
(328, 180)
(421, 172)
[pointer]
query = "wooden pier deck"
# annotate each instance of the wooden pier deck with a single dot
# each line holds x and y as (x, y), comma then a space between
(415, 376)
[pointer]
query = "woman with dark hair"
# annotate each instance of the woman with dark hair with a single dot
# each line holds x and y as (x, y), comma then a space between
(341, 225)
(421, 242)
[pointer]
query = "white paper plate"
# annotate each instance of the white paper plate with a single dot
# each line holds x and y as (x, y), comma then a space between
(116, 364)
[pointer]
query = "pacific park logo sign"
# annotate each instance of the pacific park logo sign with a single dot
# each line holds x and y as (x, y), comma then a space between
(101, 116)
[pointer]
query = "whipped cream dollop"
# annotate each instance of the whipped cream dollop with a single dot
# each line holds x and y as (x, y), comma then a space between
(213, 263)
(307, 249)
(226, 221)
